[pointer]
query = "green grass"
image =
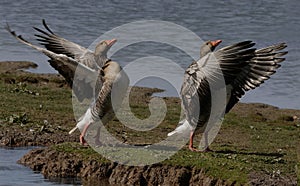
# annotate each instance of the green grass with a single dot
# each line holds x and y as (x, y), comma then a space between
(243, 146)
(41, 103)
(247, 143)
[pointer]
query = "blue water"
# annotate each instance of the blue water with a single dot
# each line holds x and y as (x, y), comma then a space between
(12, 173)
(264, 22)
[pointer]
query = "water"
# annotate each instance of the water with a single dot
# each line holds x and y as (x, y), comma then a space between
(12, 173)
(265, 22)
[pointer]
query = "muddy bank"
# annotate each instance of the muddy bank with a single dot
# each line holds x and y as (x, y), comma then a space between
(13, 66)
(52, 163)
(256, 145)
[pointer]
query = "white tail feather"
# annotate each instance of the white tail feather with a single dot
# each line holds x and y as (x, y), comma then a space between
(73, 130)
(83, 120)
(182, 128)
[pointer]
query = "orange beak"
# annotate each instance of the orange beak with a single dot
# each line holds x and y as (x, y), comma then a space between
(111, 42)
(216, 42)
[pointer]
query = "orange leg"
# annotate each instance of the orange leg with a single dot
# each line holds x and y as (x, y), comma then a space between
(82, 140)
(192, 134)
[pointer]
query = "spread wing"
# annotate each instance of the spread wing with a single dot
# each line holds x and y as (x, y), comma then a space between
(239, 66)
(60, 45)
(259, 68)
(85, 78)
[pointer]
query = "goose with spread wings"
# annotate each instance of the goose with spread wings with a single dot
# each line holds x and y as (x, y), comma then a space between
(89, 74)
(238, 68)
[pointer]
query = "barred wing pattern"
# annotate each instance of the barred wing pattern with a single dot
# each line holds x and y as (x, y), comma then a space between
(264, 63)
(84, 82)
(60, 45)
(239, 67)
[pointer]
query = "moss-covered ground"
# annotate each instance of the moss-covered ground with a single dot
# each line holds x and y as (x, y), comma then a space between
(254, 140)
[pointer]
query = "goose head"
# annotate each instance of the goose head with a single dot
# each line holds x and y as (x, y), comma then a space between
(208, 46)
(103, 47)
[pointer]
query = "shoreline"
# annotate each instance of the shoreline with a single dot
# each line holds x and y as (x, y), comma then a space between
(27, 65)
(44, 117)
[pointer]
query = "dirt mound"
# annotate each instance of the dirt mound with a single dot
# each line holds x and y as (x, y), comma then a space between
(52, 163)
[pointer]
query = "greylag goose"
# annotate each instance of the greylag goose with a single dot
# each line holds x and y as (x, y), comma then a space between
(89, 74)
(92, 59)
(239, 66)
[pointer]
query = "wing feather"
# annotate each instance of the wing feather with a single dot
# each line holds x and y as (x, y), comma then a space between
(241, 67)
(260, 67)
(85, 78)
(60, 45)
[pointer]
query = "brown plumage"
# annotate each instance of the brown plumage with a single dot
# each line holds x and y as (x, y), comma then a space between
(92, 59)
(89, 74)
